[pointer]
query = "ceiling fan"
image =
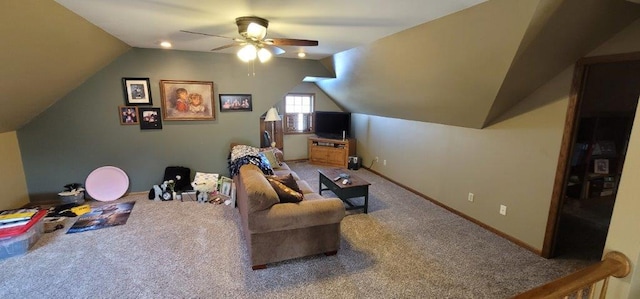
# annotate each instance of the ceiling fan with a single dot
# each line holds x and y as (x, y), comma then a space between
(253, 31)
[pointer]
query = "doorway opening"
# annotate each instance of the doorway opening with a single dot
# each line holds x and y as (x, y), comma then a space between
(602, 107)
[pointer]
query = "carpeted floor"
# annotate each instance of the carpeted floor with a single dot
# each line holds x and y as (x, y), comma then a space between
(406, 247)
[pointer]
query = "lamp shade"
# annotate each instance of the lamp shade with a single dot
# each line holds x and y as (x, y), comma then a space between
(247, 53)
(256, 30)
(272, 115)
(264, 55)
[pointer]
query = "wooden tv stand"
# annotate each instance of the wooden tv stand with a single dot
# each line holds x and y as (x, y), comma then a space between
(331, 152)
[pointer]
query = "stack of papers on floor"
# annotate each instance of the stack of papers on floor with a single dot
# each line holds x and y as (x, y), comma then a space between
(17, 217)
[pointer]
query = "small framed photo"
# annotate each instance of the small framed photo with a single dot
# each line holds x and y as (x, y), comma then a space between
(136, 91)
(226, 186)
(235, 102)
(601, 166)
(128, 115)
(150, 119)
(187, 100)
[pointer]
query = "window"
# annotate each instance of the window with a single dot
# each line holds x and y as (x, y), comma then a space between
(298, 109)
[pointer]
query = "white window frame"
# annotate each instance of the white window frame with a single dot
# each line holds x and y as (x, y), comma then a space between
(300, 112)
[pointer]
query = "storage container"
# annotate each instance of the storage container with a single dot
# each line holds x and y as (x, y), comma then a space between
(17, 240)
(77, 198)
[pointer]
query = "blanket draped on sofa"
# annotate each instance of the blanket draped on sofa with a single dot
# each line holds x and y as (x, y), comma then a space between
(242, 155)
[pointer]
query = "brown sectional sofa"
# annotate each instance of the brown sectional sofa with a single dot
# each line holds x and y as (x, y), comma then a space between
(279, 231)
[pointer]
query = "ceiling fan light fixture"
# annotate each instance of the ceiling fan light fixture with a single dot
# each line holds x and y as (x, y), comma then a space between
(247, 53)
(252, 26)
(256, 31)
(264, 55)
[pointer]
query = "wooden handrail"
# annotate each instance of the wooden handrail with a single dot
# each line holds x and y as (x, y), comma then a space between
(614, 264)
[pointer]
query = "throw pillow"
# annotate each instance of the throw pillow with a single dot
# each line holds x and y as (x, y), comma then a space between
(272, 159)
(276, 151)
(264, 161)
(286, 188)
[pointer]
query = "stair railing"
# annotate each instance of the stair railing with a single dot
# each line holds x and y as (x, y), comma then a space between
(584, 282)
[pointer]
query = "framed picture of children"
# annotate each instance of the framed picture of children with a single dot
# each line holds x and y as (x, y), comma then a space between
(128, 115)
(136, 91)
(235, 102)
(187, 100)
(150, 118)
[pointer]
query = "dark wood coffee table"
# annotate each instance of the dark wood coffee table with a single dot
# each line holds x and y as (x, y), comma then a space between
(357, 188)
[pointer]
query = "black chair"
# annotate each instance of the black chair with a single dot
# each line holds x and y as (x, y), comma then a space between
(266, 140)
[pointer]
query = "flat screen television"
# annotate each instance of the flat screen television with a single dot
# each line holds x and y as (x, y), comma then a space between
(331, 124)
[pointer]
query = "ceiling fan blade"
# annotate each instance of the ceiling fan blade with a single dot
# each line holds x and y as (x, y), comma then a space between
(226, 46)
(207, 34)
(276, 50)
(291, 42)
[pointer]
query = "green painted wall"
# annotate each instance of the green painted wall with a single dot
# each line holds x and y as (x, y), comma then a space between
(82, 131)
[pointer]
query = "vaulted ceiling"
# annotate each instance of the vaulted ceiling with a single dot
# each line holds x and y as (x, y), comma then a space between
(468, 68)
(465, 68)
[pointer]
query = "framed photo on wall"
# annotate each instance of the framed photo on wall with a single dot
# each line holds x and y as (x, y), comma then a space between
(235, 102)
(150, 119)
(128, 115)
(187, 100)
(136, 91)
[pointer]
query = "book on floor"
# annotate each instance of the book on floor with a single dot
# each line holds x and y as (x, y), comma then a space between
(13, 224)
(10, 216)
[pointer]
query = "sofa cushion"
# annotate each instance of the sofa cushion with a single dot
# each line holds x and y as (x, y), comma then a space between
(286, 188)
(313, 196)
(261, 195)
(305, 188)
(285, 170)
(307, 213)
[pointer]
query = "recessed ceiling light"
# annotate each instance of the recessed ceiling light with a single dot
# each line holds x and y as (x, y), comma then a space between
(302, 54)
(165, 44)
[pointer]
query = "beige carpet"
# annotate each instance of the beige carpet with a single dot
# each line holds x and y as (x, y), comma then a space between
(405, 247)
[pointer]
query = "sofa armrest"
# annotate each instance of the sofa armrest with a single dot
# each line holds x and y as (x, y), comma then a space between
(307, 213)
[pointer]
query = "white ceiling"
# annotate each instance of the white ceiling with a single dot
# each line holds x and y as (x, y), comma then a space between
(338, 25)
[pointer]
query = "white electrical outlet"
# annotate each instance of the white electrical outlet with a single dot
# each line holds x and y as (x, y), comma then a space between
(503, 210)
(470, 198)
(384, 162)
(376, 159)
